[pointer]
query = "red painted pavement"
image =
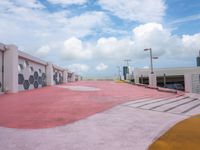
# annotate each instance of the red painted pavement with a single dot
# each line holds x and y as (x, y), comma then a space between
(52, 106)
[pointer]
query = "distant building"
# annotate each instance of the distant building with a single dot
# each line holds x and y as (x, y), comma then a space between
(188, 78)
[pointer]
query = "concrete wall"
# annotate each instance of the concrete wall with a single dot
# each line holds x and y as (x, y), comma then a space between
(168, 71)
(1, 71)
(192, 81)
(31, 75)
(58, 75)
(24, 72)
(191, 76)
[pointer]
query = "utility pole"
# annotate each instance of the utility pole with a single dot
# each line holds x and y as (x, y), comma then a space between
(127, 61)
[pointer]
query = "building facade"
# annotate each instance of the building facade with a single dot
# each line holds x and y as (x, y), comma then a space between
(20, 71)
(189, 78)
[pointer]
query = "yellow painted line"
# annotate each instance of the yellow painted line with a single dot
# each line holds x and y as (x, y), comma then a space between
(118, 81)
(183, 136)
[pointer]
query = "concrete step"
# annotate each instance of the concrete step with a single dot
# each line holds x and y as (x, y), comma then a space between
(186, 108)
(151, 101)
(195, 110)
(168, 107)
(161, 103)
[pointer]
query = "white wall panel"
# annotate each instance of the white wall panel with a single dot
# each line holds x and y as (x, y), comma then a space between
(1, 72)
(31, 75)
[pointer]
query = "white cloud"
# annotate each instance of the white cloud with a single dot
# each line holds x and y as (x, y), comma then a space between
(22, 24)
(78, 68)
(84, 24)
(67, 2)
(30, 3)
(74, 49)
(186, 19)
(112, 48)
(136, 10)
(101, 67)
(191, 41)
(43, 51)
(150, 35)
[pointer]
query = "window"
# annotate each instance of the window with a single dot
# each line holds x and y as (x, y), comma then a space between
(26, 63)
(40, 71)
(20, 67)
(31, 69)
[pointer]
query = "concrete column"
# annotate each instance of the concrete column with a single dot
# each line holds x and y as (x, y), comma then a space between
(79, 78)
(65, 76)
(152, 80)
(188, 82)
(11, 69)
(49, 73)
(73, 77)
(137, 80)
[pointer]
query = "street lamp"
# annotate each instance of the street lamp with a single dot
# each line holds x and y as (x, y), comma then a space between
(151, 58)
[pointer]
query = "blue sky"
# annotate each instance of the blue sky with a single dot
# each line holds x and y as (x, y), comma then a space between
(93, 37)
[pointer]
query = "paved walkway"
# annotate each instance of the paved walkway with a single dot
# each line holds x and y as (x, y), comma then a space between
(120, 128)
(60, 105)
(121, 117)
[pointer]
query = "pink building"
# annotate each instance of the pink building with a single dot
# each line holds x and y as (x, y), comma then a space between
(20, 71)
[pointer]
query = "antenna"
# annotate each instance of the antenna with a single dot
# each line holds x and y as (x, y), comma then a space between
(128, 60)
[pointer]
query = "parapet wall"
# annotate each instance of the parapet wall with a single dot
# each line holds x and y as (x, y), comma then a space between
(20, 71)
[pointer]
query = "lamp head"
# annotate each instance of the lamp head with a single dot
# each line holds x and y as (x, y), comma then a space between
(146, 49)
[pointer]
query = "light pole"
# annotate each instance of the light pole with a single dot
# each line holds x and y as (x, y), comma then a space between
(119, 72)
(127, 61)
(151, 58)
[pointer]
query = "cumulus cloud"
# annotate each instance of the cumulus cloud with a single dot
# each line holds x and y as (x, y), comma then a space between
(136, 10)
(150, 35)
(67, 2)
(113, 48)
(101, 67)
(30, 3)
(84, 24)
(31, 23)
(74, 49)
(78, 68)
(43, 51)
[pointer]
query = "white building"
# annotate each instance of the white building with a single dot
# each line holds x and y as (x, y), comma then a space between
(188, 77)
(20, 71)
